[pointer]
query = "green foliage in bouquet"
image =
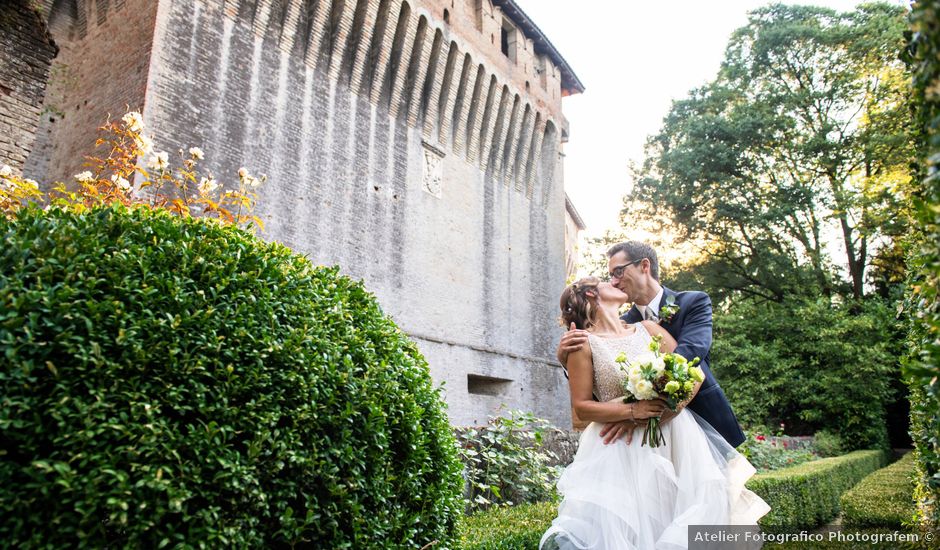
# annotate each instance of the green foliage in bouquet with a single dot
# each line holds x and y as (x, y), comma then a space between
(656, 375)
(170, 381)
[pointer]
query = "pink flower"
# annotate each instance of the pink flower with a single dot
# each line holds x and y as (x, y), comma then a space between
(760, 438)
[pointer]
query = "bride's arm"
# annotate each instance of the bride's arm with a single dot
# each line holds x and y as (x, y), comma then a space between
(581, 383)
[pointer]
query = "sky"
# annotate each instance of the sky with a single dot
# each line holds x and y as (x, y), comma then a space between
(634, 58)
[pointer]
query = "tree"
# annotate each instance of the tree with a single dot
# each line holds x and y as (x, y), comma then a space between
(803, 138)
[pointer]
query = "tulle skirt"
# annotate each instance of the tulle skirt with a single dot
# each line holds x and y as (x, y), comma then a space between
(621, 496)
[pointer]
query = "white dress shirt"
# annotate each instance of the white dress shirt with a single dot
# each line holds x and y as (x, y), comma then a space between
(653, 305)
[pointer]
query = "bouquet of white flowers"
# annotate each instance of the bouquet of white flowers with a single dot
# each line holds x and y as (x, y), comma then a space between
(656, 375)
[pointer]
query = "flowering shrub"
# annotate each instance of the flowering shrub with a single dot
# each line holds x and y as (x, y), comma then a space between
(109, 178)
(770, 450)
(171, 381)
(766, 455)
(504, 463)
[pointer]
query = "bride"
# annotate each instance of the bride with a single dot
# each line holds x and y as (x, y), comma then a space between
(624, 495)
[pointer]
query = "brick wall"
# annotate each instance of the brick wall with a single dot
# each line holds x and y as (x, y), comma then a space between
(101, 70)
(407, 149)
(398, 150)
(26, 52)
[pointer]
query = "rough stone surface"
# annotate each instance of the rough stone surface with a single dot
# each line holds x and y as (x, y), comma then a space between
(564, 445)
(101, 71)
(26, 52)
(410, 151)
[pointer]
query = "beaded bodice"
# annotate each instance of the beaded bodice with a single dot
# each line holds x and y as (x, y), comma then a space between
(604, 352)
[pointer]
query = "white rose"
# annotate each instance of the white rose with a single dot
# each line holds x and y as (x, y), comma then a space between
(85, 177)
(196, 153)
(243, 172)
(121, 183)
(134, 121)
(659, 365)
(644, 359)
(645, 390)
(207, 185)
(144, 143)
(159, 161)
(6, 171)
(634, 374)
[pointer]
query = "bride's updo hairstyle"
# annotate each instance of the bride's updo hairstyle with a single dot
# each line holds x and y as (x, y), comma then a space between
(579, 303)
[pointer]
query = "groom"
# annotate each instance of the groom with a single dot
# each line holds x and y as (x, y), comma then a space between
(687, 316)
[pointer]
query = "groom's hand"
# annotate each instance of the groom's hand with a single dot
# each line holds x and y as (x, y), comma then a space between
(613, 431)
(571, 341)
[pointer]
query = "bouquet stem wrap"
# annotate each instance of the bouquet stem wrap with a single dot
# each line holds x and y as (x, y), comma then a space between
(653, 436)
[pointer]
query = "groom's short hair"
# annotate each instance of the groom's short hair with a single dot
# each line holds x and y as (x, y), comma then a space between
(635, 250)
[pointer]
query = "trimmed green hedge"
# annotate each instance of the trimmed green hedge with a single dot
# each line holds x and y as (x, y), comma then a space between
(801, 497)
(807, 495)
(170, 381)
(883, 499)
(923, 366)
(518, 527)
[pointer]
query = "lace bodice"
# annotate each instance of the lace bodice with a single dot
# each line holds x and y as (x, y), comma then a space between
(604, 351)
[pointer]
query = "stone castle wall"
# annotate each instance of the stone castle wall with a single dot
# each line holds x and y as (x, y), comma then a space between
(101, 70)
(26, 52)
(406, 148)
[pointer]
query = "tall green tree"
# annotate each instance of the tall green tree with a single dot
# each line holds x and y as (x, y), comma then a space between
(801, 140)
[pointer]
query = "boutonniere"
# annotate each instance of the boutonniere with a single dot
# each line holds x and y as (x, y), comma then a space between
(668, 310)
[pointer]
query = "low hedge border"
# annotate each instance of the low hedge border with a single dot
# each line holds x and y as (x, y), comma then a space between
(883, 499)
(801, 497)
(807, 495)
(517, 527)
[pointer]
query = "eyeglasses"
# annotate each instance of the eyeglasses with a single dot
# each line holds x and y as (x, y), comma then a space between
(617, 272)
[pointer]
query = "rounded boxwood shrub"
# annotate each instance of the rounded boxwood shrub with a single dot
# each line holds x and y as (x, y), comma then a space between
(171, 381)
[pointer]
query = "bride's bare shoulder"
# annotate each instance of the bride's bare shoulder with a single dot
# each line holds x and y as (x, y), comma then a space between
(583, 354)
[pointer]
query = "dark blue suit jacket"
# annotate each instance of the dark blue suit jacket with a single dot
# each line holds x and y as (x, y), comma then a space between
(691, 326)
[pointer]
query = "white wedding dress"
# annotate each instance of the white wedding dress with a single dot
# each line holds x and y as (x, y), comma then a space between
(621, 496)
